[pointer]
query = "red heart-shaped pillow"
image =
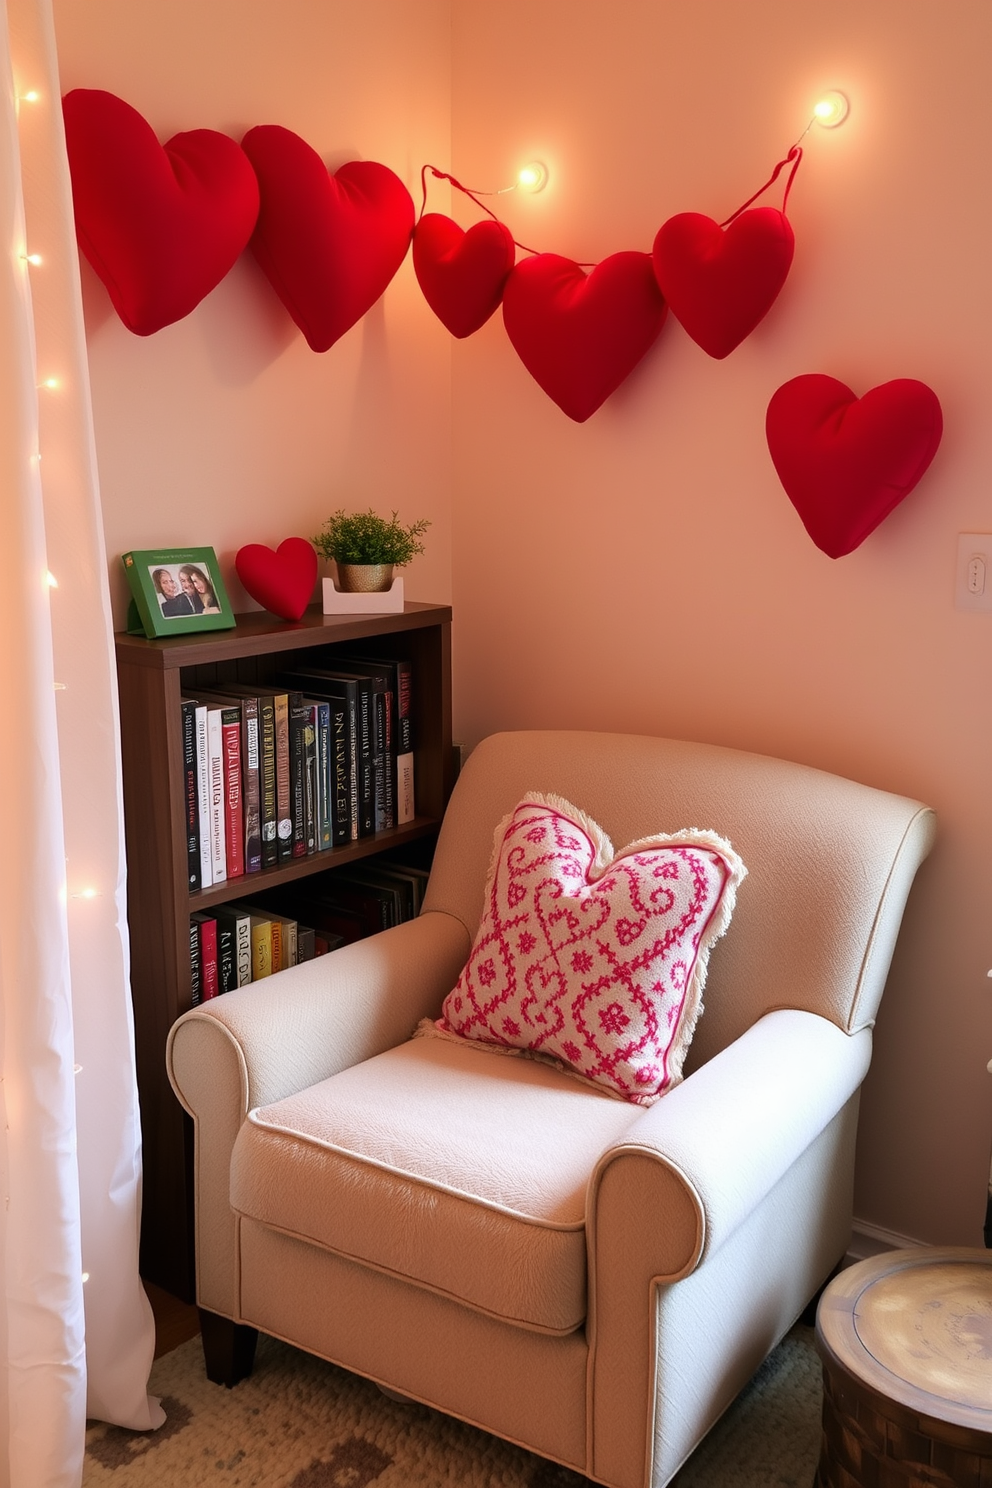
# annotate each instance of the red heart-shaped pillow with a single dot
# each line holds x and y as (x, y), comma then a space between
(846, 462)
(329, 245)
(462, 274)
(719, 281)
(579, 335)
(281, 581)
(161, 225)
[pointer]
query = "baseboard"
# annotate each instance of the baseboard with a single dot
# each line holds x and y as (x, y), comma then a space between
(871, 1240)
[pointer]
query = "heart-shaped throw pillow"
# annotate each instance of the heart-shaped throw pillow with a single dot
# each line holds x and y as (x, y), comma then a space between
(579, 335)
(845, 461)
(462, 274)
(160, 224)
(281, 581)
(594, 959)
(328, 244)
(720, 282)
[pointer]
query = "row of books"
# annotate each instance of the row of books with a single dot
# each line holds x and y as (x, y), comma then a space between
(318, 758)
(237, 943)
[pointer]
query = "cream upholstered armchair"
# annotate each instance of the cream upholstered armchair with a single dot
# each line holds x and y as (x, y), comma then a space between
(591, 1279)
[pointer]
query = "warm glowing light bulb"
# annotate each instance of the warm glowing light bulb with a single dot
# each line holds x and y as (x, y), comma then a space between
(32, 258)
(831, 109)
(533, 176)
(51, 580)
(31, 97)
(51, 382)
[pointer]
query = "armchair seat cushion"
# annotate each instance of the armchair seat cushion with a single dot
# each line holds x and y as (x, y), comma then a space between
(452, 1167)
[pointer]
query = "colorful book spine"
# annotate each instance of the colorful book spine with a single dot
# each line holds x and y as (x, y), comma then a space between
(234, 820)
(190, 794)
(284, 805)
(203, 795)
(311, 803)
(406, 807)
(298, 719)
(195, 973)
(340, 773)
(267, 781)
(321, 715)
(261, 947)
(275, 932)
(209, 974)
(227, 975)
(236, 922)
(251, 785)
(218, 805)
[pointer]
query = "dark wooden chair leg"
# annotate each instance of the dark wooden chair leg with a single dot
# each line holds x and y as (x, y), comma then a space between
(228, 1348)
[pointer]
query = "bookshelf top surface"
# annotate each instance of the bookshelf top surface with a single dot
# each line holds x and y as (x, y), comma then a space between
(258, 632)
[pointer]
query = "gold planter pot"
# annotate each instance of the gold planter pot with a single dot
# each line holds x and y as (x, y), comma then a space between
(364, 578)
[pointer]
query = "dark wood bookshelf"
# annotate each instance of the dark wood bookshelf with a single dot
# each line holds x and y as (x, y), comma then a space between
(152, 676)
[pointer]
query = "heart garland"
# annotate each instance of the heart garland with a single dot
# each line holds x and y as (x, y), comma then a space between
(281, 581)
(328, 244)
(160, 224)
(722, 278)
(721, 282)
(846, 462)
(163, 224)
(580, 335)
(462, 274)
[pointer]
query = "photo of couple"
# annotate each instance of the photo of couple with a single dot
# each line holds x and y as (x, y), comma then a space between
(175, 591)
(185, 590)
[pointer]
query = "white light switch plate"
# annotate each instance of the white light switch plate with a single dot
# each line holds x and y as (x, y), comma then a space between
(973, 577)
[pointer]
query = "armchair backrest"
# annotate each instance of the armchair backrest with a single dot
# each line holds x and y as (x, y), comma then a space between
(830, 862)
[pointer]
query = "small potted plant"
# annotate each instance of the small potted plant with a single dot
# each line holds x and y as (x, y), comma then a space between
(366, 548)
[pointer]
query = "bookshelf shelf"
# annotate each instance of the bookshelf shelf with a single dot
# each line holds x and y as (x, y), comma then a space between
(152, 676)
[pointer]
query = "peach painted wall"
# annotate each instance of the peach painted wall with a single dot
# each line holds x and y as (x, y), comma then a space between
(225, 428)
(645, 571)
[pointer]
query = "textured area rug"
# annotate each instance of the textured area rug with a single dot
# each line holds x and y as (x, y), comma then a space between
(301, 1423)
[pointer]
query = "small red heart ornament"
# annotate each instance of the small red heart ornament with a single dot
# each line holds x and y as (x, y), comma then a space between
(579, 335)
(720, 282)
(462, 274)
(845, 461)
(281, 581)
(328, 244)
(160, 224)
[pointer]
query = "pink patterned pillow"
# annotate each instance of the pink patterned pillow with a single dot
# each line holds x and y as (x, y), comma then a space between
(595, 959)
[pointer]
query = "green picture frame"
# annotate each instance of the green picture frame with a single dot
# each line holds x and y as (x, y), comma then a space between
(174, 591)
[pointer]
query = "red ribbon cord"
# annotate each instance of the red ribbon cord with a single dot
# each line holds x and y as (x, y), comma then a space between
(474, 196)
(794, 156)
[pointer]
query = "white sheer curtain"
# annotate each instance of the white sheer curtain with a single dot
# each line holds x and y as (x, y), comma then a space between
(76, 1334)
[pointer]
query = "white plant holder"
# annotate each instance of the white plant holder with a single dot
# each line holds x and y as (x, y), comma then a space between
(383, 602)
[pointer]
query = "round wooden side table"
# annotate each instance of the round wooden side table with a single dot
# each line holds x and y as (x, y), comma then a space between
(906, 1344)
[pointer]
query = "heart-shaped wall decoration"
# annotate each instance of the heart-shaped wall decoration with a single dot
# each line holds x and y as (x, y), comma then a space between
(160, 224)
(462, 274)
(579, 335)
(846, 462)
(281, 581)
(720, 282)
(329, 244)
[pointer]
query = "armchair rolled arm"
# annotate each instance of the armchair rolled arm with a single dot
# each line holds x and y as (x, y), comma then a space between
(290, 1031)
(689, 1173)
(720, 1141)
(275, 1037)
